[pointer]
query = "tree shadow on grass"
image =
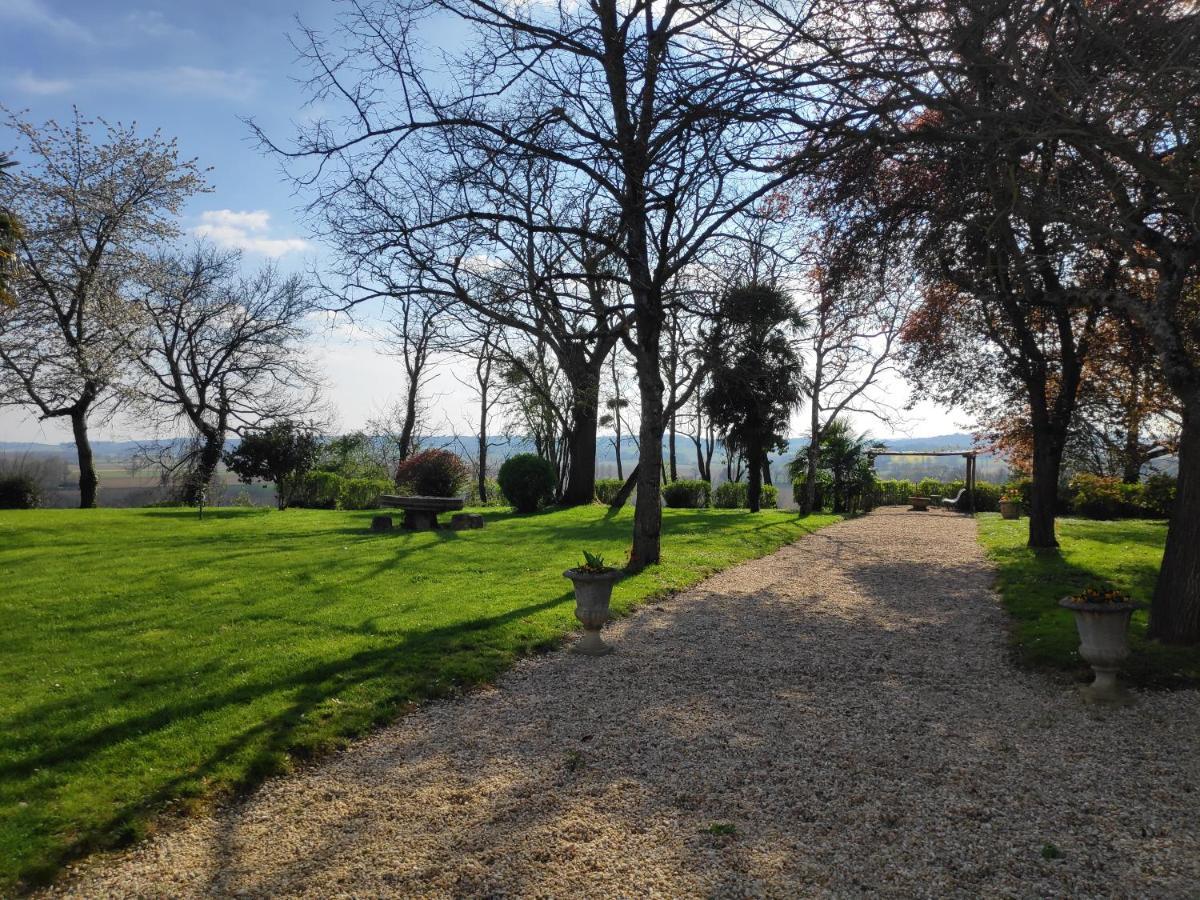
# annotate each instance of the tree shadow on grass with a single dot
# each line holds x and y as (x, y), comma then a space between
(425, 664)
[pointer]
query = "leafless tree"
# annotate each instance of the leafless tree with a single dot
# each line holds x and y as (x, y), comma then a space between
(854, 323)
(220, 351)
(89, 211)
(658, 111)
(485, 383)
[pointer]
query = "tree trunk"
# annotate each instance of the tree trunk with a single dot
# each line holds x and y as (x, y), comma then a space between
(810, 478)
(584, 378)
(1047, 462)
(766, 468)
(1175, 610)
(206, 466)
(700, 471)
(481, 481)
(622, 496)
(647, 515)
(1132, 464)
(581, 466)
(754, 490)
(89, 482)
(671, 428)
(404, 446)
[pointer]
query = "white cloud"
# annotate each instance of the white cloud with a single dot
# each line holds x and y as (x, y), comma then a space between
(198, 82)
(28, 83)
(37, 14)
(247, 231)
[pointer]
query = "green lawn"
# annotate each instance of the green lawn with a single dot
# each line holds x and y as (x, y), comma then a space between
(1123, 554)
(152, 661)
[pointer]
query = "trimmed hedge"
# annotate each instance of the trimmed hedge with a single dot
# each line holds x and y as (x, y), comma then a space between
(329, 490)
(527, 481)
(734, 495)
(687, 494)
(1086, 495)
(606, 489)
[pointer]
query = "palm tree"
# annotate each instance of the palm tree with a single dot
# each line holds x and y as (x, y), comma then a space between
(845, 455)
(10, 232)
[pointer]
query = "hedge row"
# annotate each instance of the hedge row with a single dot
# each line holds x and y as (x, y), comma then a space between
(329, 490)
(1089, 496)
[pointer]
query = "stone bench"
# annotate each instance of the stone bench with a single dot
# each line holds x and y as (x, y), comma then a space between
(420, 513)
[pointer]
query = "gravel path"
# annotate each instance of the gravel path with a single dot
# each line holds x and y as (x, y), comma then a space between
(837, 719)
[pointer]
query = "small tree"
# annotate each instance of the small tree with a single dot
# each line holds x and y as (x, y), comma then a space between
(281, 453)
(756, 375)
(220, 351)
(89, 211)
(844, 456)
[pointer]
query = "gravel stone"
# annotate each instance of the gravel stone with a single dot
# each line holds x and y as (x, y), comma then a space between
(837, 719)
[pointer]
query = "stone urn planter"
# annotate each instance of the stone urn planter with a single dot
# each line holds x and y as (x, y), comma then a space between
(593, 592)
(1102, 618)
(1010, 509)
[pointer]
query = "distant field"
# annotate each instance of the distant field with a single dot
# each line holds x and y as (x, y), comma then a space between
(152, 660)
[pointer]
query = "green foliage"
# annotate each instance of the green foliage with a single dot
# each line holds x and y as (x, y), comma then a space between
(281, 453)
(318, 490)
(329, 490)
(19, 491)
(756, 375)
(527, 481)
(729, 495)
(432, 473)
(733, 495)
(1158, 495)
(494, 495)
(606, 489)
(843, 455)
(362, 493)
(225, 648)
(687, 494)
(352, 455)
(1100, 497)
(1124, 555)
(593, 562)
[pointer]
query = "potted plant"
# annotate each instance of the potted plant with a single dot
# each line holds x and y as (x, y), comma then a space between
(1010, 505)
(1102, 617)
(593, 582)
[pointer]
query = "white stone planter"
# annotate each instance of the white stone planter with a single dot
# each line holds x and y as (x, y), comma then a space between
(1103, 644)
(593, 591)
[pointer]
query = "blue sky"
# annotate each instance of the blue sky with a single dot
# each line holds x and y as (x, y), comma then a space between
(193, 70)
(196, 71)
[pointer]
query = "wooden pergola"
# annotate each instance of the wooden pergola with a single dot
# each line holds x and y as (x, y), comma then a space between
(968, 455)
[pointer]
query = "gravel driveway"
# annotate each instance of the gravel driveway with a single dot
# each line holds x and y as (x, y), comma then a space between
(837, 719)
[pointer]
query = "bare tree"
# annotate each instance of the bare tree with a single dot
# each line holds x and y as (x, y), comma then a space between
(658, 111)
(220, 351)
(854, 322)
(416, 332)
(89, 212)
(486, 386)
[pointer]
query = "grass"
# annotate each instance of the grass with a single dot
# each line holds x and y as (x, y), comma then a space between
(1122, 554)
(152, 661)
